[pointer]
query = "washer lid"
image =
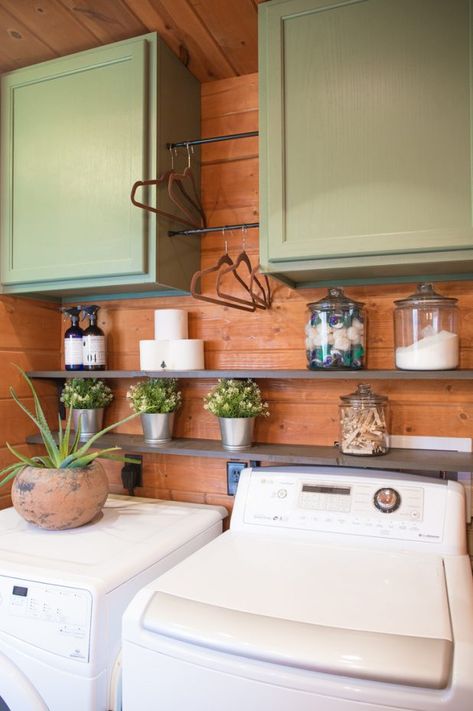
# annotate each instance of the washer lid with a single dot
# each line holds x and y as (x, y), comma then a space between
(367, 614)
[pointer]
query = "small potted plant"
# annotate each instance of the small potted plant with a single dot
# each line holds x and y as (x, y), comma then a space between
(156, 400)
(87, 398)
(67, 486)
(236, 403)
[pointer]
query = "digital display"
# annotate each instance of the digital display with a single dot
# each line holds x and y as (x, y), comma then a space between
(17, 590)
(337, 490)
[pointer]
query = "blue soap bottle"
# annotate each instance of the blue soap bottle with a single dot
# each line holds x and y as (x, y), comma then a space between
(73, 340)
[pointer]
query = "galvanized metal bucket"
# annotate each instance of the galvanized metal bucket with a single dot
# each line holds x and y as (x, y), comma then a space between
(157, 427)
(237, 432)
(91, 422)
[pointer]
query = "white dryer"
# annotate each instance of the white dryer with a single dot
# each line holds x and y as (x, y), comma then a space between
(334, 589)
(63, 593)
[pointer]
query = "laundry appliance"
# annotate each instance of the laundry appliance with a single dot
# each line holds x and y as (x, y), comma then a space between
(63, 593)
(334, 589)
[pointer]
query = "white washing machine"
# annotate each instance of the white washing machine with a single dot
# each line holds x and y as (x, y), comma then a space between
(334, 589)
(63, 593)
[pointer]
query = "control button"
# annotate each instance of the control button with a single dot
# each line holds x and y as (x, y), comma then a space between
(387, 500)
(282, 493)
(414, 514)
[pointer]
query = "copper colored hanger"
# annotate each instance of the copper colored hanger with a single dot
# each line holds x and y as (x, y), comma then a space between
(266, 298)
(262, 301)
(197, 277)
(177, 179)
(157, 181)
(251, 303)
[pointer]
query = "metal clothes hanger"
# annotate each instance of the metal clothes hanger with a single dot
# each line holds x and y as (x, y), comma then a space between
(198, 276)
(176, 180)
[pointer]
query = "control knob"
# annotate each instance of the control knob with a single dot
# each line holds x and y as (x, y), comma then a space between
(387, 500)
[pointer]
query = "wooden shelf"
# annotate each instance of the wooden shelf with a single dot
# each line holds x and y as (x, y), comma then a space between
(263, 374)
(404, 459)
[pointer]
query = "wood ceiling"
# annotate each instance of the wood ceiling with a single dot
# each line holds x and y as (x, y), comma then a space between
(214, 38)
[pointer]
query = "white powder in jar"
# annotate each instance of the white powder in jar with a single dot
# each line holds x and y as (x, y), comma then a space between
(436, 352)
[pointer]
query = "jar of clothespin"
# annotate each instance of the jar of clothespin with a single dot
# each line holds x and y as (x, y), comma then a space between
(364, 423)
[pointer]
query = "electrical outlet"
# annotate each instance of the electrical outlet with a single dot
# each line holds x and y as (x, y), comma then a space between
(132, 473)
(233, 476)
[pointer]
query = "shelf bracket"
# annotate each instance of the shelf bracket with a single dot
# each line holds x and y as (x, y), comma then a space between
(60, 405)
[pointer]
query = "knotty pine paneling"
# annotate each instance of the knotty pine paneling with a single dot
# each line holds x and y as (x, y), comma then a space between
(213, 38)
(301, 412)
(31, 338)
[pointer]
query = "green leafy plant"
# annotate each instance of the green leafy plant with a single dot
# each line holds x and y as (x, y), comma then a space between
(236, 398)
(156, 395)
(86, 394)
(67, 453)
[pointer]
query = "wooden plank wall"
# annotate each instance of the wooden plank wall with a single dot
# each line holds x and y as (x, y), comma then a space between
(30, 337)
(301, 412)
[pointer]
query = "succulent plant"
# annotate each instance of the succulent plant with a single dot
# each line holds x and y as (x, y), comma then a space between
(67, 452)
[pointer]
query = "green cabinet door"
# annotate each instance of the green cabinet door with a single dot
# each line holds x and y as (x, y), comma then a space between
(365, 137)
(77, 132)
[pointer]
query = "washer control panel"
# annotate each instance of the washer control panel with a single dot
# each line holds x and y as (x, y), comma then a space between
(402, 509)
(52, 617)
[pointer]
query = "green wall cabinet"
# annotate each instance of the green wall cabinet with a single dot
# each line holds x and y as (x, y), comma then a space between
(365, 139)
(76, 133)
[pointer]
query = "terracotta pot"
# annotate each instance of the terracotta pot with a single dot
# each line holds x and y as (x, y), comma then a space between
(60, 498)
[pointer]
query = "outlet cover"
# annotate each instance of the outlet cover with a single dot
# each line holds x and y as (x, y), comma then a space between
(233, 476)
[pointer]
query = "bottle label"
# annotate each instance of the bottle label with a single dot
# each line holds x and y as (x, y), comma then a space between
(73, 351)
(93, 351)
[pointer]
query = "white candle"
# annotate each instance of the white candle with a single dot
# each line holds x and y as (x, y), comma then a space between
(437, 352)
(153, 354)
(186, 354)
(170, 324)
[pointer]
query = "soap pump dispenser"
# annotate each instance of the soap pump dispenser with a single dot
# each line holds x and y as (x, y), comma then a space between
(93, 351)
(73, 340)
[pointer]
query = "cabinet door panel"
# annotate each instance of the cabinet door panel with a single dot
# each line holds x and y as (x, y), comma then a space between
(75, 132)
(365, 111)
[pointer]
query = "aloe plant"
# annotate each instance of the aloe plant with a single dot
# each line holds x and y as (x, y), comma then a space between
(68, 452)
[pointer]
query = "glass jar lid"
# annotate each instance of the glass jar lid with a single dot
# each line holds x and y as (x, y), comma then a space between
(363, 395)
(426, 296)
(335, 299)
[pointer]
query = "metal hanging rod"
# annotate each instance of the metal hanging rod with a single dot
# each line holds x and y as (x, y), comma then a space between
(215, 139)
(224, 228)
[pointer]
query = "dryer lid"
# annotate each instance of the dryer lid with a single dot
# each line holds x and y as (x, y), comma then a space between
(366, 614)
(132, 534)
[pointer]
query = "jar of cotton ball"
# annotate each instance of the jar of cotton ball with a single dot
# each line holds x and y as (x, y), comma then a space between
(335, 333)
(426, 331)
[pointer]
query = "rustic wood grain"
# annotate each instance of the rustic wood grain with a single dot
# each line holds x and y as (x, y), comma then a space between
(215, 39)
(238, 39)
(31, 336)
(302, 412)
(50, 21)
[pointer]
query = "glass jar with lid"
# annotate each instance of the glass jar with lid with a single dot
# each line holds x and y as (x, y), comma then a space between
(426, 331)
(364, 423)
(335, 332)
